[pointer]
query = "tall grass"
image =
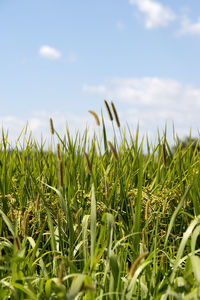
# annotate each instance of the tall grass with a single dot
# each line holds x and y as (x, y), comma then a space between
(99, 218)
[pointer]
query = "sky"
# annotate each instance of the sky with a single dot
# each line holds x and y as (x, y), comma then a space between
(61, 58)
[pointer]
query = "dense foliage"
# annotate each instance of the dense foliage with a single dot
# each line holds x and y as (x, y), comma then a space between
(94, 219)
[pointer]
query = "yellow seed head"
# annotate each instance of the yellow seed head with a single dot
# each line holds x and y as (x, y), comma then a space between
(136, 263)
(60, 173)
(58, 151)
(95, 116)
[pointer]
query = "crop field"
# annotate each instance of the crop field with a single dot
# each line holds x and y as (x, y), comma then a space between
(102, 217)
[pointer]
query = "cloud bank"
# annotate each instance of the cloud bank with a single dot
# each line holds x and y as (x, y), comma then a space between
(147, 91)
(38, 125)
(152, 101)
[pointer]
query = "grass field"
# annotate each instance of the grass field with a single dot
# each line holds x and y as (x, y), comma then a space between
(100, 217)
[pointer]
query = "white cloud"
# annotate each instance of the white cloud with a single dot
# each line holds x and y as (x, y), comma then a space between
(187, 27)
(49, 52)
(152, 101)
(148, 91)
(156, 15)
(35, 124)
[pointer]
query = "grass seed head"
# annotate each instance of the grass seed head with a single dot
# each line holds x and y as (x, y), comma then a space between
(115, 114)
(88, 288)
(88, 163)
(95, 116)
(164, 154)
(113, 150)
(163, 261)
(108, 110)
(58, 151)
(144, 236)
(136, 263)
(17, 243)
(60, 173)
(36, 206)
(78, 214)
(51, 126)
(24, 224)
(107, 189)
(61, 271)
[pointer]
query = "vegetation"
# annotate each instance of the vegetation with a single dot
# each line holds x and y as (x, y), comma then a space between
(96, 218)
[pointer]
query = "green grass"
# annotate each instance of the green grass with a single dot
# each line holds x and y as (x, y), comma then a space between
(112, 227)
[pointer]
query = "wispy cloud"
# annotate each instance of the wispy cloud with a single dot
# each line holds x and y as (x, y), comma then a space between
(49, 52)
(120, 26)
(156, 15)
(24, 61)
(96, 89)
(71, 57)
(188, 27)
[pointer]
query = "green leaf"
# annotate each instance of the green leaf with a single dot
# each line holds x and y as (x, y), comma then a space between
(196, 267)
(173, 218)
(8, 223)
(93, 223)
(76, 286)
(114, 267)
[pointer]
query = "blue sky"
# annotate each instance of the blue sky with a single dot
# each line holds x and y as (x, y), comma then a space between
(61, 58)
